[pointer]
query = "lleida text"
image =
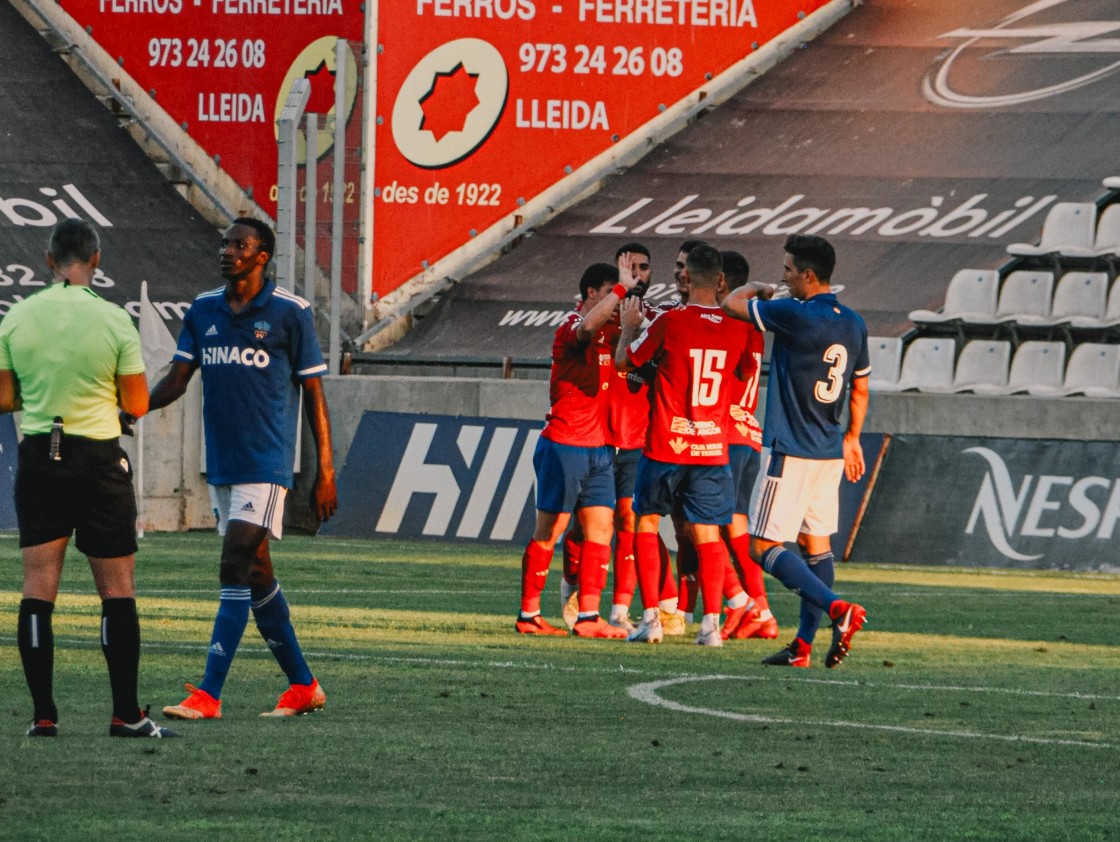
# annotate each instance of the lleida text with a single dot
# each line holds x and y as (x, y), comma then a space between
(230, 108)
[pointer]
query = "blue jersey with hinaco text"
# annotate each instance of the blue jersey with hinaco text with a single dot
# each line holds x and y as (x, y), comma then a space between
(252, 365)
(819, 346)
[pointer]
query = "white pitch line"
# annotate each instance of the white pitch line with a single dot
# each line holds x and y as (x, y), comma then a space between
(648, 693)
(784, 677)
(297, 591)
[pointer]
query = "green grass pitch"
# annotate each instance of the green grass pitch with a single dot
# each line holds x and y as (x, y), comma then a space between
(975, 705)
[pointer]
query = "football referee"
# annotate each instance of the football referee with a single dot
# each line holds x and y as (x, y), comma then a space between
(68, 360)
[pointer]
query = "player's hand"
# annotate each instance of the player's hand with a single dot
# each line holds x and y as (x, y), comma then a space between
(324, 496)
(854, 466)
(632, 313)
(626, 275)
(128, 423)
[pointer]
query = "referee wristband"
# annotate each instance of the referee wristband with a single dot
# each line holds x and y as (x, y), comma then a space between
(619, 290)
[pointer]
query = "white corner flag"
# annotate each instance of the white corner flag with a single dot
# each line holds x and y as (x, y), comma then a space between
(157, 346)
(156, 342)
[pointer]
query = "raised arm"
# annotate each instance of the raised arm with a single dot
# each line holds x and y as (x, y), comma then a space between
(324, 495)
(631, 315)
(600, 314)
(858, 398)
(736, 303)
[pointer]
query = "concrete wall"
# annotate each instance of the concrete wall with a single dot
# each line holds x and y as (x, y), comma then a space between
(175, 495)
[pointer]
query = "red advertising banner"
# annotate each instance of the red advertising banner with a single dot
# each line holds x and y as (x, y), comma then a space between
(484, 104)
(222, 69)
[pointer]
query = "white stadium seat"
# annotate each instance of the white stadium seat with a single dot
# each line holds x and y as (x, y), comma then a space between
(928, 361)
(886, 362)
(1093, 370)
(1024, 295)
(982, 362)
(1106, 243)
(1079, 295)
(971, 297)
(1035, 364)
(1068, 231)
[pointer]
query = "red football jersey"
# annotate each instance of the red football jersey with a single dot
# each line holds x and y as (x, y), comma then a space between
(627, 402)
(745, 428)
(581, 373)
(697, 350)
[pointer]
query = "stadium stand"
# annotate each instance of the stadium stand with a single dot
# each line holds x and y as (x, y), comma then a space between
(1077, 295)
(982, 362)
(886, 362)
(928, 361)
(1036, 364)
(972, 296)
(1068, 231)
(1024, 296)
(1093, 370)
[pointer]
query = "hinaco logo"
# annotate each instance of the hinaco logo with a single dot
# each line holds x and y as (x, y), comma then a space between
(1054, 42)
(1038, 509)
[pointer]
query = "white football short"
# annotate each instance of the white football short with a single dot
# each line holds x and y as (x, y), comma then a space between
(793, 495)
(259, 503)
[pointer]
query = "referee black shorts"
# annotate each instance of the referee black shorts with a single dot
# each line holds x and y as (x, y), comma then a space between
(89, 492)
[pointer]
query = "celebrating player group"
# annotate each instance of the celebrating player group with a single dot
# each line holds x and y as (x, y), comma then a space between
(653, 415)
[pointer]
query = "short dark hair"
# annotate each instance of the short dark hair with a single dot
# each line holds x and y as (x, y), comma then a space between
(811, 252)
(73, 241)
(736, 270)
(595, 276)
(704, 265)
(264, 233)
(688, 245)
(633, 248)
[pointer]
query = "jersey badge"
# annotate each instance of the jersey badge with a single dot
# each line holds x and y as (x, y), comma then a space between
(261, 329)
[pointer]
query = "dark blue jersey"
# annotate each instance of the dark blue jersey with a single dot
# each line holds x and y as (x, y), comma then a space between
(819, 346)
(252, 365)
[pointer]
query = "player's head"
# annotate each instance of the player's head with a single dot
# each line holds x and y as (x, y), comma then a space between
(703, 265)
(73, 241)
(810, 253)
(595, 277)
(678, 268)
(246, 249)
(736, 270)
(639, 265)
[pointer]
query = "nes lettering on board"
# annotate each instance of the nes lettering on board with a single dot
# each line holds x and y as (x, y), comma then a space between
(435, 476)
(1016, 503)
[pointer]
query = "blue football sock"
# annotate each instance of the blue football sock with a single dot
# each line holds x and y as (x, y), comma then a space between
(792, 571)
(229, 626)
(823, 567)
(270, 610)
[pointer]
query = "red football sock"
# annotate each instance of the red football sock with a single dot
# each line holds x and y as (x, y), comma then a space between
(595, 560)
(649, 567)
(688, 590)
(668, 589)
(713, 560)
(731, 584)
(752, 573)
(572, 549)
(534, 575)
(625, 569)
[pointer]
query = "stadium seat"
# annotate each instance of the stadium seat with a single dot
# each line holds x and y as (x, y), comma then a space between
(1106, 243)
(928, 361)
(982, 362)
(971, 297)
(1093, 370)
(886, 362)
(1035, 364)
(1110, 318)
(1024, 295)
(1079, 295)
(1068, 231)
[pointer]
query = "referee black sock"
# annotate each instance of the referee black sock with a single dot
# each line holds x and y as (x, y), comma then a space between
(35, 637)
(120, 642)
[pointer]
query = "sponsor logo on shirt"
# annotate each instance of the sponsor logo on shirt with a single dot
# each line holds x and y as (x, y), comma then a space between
(213, 331)
(227, 355)
(693, 428)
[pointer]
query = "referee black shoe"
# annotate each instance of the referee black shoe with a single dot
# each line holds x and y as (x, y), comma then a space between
(794, 655)
(43, 728)
(144, 728)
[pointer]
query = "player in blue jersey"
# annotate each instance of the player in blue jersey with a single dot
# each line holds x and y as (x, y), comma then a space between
(256, 346)
(819, 357)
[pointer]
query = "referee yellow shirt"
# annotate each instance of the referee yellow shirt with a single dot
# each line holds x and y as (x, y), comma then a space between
(66, 346)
